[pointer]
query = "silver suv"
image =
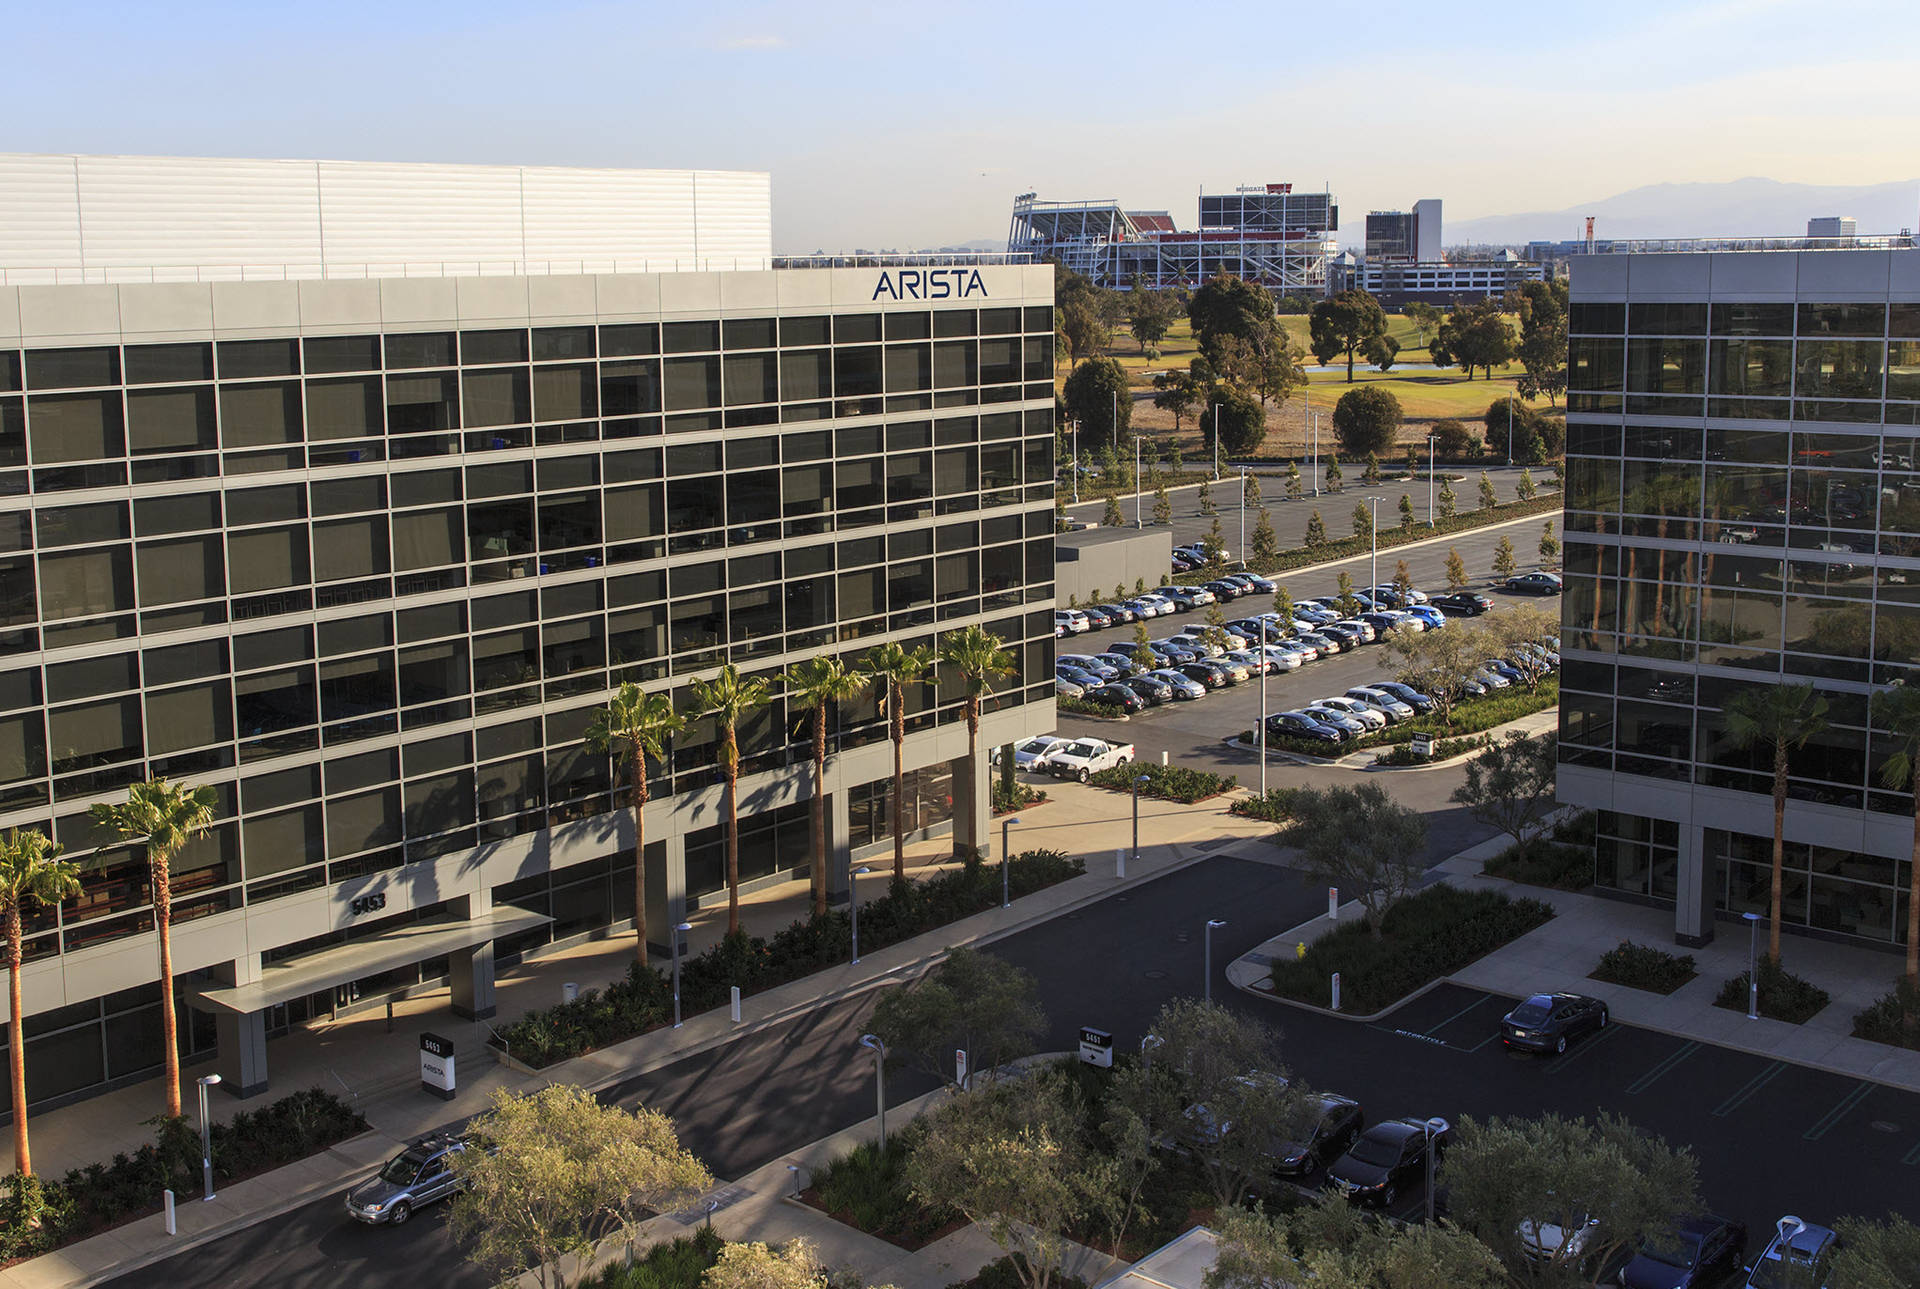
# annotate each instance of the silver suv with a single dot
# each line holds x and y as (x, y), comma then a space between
(419, 1175)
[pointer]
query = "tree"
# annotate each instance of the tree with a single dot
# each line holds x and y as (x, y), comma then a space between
(1876, 1255)
(1372, 473)
(1238, 419)
(1549, 545)
(31, 873)
(1175, 461)
(633, 726)
(1452, 439)
(1277, 371)
(1473, 335)
(1344, 598)
(167, 817)
(972, 1002)
(1360, 840)
(1366, 420)
(1229, 306)
(1780, 718)
(1517, 632)
(754, 1265)
(1406, 513)
(1295, 486)
(1179, 393)
(1456, 570)
(1111, 516)
(1347, 323)
(1085, 331)
(1424, 317)
(1335, 477)
(1437, 663)
(1504, 562)
(730, 698)
(1362, 520)
(1543, 339)
(1488, 497)
(1896, 711)
(1250, 488)
(1316, 530)
(1060, 524)
(895, 667)
(565, 1173)
(1149, 316)
(1402, 577)
(1266, 543)
(1511, 423)
(1206, 498)
(1447, 500)
(1510, 786)
(979, 658)
(1099, 398)
(1216, 547)
(1283, 608)
(1381, 351)
(1332, 1244)
(1526, 488)
(1560, 1172)
(1162, 506)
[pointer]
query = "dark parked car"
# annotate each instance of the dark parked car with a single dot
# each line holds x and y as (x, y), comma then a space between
(1117, 696)
(1389, 1158)
(1340, 1121)
(1154, 691)
(1211, 677)
(1119, 613)
(1505, 670)
(1264, 585)
(1303, 725)
(1346, 635)
(1461, 604)
(1548, 1022)
(1225, 590)
(1407, 694)
(1697, 1253)
(1325, 643)
(1535, 583)
(1098, 619)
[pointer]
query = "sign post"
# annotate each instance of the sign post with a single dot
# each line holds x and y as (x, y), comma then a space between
(960, 1068)
(436, 1066)
(1333, 904)
(1096, 1047)
(1422, 746)
(1336, 991)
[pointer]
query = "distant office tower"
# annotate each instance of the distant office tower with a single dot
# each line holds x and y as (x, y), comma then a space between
(1831, 226)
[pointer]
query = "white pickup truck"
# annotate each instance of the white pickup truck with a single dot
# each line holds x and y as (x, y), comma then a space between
(1085, 757)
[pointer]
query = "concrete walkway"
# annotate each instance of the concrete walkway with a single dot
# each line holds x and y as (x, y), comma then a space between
(1559, 955)
(1084, 821)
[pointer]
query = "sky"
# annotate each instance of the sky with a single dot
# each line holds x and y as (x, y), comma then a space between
(894, 126)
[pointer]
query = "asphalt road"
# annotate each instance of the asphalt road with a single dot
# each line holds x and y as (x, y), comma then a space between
(1770, 1138)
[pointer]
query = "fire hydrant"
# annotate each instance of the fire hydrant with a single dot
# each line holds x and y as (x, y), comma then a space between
(1300, 950)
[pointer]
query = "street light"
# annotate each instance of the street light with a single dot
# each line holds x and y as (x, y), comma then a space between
(1266, 665)
(1216, 441)
(1074, 426)
(1138, 780)
(1006, 853)
(679, 929)
(1789, 1228)
(879, 1050)
(1753, 965)
(1509, 431)
(1136, 481)
(1434, 1128)
(1431, 521)
(1211, 924)
(1313, 460)
(206, 1135)
(1373, 531)
(853, 904)
(1243, 516)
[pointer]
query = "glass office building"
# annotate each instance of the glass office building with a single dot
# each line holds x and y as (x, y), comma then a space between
(1742, 509)
(364, 553)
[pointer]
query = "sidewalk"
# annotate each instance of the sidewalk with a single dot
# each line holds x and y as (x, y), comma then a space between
(380, 1068)
(1557, 957)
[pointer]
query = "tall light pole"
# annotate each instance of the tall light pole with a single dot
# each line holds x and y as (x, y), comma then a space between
(1433, 1131)
(1138, 780)
(1075, 427)
(1313, 447)
(1216, 441)
(206, 1135)
(1243, 516)
(1753, 965)
(1789, 1228)
(1509, 431)
(1211, 924)
(1136, 481)
(853, 906)
(1432, 520)
(879, 1050)
(1373, 531)
(1006, 856)
(1266, 665)
(679, 929)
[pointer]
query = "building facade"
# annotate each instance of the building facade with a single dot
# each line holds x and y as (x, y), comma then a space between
(1742, 509)
(1405, 234)
(1441, 283)
(364, 551)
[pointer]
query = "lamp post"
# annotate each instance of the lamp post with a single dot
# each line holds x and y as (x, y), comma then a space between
(1074, 426)
(1216, 441)
(1138, 780)
(1313, 459)
(1136, 481)
(1211, 924)
(879, 1050)
(206, 1135)
(1373, 533)
(679, 929)
(853, 905)
(1509, 431)
(1006, 854)
(1432, 521)
(1753, 965)
(1434, 1127)
(1243, 516)
(1789, 1228)
(1266, 665)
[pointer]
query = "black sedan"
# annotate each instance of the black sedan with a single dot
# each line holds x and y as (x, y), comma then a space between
(1119, 696)
(1461, 604)
(1534, 583)
(1340, 1121)
(1211, 677)
(1224, 591)
(1548, 1022)
(1697, 1252)
(1154, 691)
(1303, 726)
(1389, 1158)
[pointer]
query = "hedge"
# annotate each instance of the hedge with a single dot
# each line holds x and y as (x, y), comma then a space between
(1392, 535)
(1641, 966)
(1424, 937)
(1783, 995)
(1470, 716)
(43, 1215)
(681, 1264)
(643, 999)
(1165, 782)
(1894, 1019)
(1444, 750)
(1081, 707)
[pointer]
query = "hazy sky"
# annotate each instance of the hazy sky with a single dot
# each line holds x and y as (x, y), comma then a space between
(915, 124)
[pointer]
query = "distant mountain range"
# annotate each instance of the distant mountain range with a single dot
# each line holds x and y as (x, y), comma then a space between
(1740, 208)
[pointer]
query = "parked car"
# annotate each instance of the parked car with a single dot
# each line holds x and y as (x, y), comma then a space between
(1162, 607)
(1264, 585)
(1151, 688)
(1505, 670)
(1548, 1022)
(1064, 688)
(1388, 1158)
(1133, 650)
(1188, 598)
(1119, 613)
(1083, 758)
(1087, 663)
(1225, 590)
(1407, 694)
(1697, 1253)
(1251, 627)
(1802, 1262)
(1461, 604)
(1385, 597)
(1429, 616)
(1487, 678)
(1352, 726)
(1184, 687)
(414, 1178)
(1340, 1120)
(1365, 713)
(1380, 622)
(1326, 644)
(1284, 657)
(1193, 642)
(1237, 672)
(1304, 725)
(1077, 675)
(1029, 753)
(1368, 633)
(1557, 1241)
(1394, 709)
(1348, 637)
(1122, 664)
(1117, 695)
(1315, 613)
(1198, 670)
(1534, 583)
(1072, 619)
(1172, 655)
(1098, 619)
(1256, 663)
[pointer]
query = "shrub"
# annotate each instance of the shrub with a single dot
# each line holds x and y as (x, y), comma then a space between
(1423, 937)
(1894, 1019)
(679, 1265)
(1165, 782)
(1275, 805)
(1546, 863)
(1641, 966)
(1366, 420)
(1452, 439)
(1783, 995)
(1300, 556)
(1470, 716)
(1002, 1274)
(867, 1189)
(1443, 750)
(1081, 707)
(1022, 796)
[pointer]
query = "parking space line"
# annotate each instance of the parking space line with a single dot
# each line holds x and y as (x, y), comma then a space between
(1839, 1112)
(1481, 1000)
(1912, 1157)
(1652, 1076)
(1583, 1050)
(1753, 1085)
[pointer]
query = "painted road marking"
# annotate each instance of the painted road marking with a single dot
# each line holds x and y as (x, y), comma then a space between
(1839, 1112)
(1483, 999)
(1752, 1085)
(1590, 1045)
(1912, 1156)
(1652, 1076)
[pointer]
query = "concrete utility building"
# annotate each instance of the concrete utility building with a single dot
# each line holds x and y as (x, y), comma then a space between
(351, 490)
(1742, 509)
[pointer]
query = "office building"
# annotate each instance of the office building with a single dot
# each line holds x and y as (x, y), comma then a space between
(1832, 226)
(1742, 509)
(1441, 283)
(355, 510)
(1405, 235)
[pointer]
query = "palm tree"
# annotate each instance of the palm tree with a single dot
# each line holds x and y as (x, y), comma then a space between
(1782, 717)
(633, 726)
(166, 816)
(1896, 710)
(978, 656)
(817, 685)
(730, 697)
(31, 871)
(896, 668)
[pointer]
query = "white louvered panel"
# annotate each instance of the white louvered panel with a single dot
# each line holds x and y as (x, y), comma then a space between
(618, 215)
(375, 213)
(736, 217)
(39, 213)
(158, 211)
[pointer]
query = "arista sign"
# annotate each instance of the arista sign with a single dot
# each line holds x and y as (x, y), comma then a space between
(929, 284)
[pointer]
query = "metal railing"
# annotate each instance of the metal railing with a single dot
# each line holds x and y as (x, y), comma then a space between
(1901, 241)
(78, 276)
(902, 260)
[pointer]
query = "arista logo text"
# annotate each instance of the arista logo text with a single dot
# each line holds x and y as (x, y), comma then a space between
(929, 284)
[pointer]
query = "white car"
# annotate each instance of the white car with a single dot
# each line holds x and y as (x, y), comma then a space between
(1371, 717)
(1086, 757)
(1383, 702)
(1073, 620)
(1364, 629)
(1562, 1243)
(1285, 657)
(1029, 753)
(1064, 688)
(1256, 662)
(1196, 643)
(1150, 606)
